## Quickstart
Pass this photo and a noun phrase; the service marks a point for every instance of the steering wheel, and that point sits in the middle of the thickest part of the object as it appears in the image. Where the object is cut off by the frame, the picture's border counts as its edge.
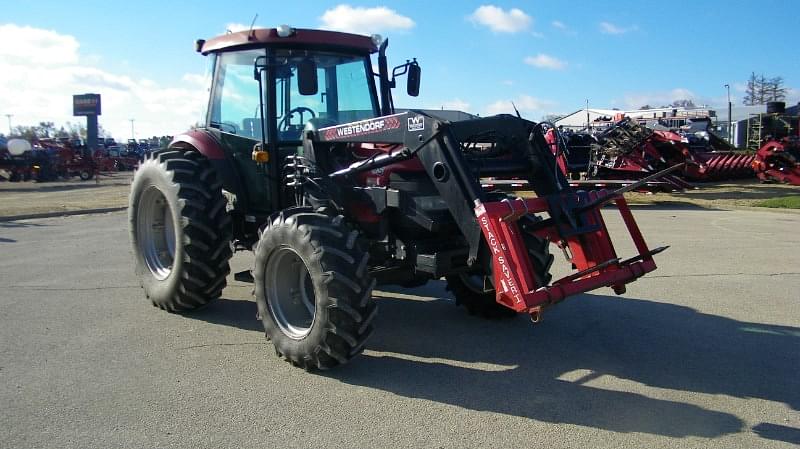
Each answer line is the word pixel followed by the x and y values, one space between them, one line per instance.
pixel 284 124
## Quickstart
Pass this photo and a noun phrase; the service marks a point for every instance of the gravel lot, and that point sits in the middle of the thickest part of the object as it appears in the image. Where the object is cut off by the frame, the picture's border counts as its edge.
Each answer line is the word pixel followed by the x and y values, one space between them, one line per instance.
pixel 704 352
pixel 22 198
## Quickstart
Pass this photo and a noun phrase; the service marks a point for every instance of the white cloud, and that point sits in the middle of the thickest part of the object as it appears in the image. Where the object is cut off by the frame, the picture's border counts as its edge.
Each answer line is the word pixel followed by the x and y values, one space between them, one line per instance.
pixel 364 20
pixel 661 98
pixel 34 94
pixel 559 24
pixel 36 46
pixel 456 104
pixel 544 61
pixel 234 27
pixel 500 21
pixel 610 28
pixel 526 104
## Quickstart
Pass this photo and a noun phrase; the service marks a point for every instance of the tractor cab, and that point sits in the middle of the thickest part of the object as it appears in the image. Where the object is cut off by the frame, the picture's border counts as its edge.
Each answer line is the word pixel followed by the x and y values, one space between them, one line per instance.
pixel 269 84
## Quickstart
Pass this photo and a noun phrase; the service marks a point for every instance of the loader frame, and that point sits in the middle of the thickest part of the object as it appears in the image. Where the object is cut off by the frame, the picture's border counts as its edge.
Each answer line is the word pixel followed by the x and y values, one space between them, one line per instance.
pixel 574 222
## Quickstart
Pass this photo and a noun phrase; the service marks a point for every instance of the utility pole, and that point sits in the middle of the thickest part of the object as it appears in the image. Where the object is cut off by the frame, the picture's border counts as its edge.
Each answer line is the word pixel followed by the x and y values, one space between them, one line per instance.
pixel 730 109
pixel 588 129
pixel 9 123
pixel 133 135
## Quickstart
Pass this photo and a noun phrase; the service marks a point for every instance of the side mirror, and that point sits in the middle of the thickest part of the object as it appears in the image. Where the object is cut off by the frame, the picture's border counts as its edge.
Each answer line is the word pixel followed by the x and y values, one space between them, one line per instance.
pixel 412 84
pixel 258 66
pixel 307 77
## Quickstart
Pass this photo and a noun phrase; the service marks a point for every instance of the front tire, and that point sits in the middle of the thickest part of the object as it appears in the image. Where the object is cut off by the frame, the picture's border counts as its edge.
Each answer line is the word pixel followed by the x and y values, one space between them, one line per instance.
pixel 313 288
pixel 180 231
pixel 477 294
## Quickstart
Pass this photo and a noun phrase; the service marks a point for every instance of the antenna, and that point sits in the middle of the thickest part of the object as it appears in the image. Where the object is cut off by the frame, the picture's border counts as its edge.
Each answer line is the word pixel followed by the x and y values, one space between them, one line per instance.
pixel 252 24
pixel 515 109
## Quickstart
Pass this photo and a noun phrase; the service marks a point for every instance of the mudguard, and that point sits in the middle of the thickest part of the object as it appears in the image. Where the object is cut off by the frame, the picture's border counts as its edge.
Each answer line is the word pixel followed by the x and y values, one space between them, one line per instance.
pixel 208 146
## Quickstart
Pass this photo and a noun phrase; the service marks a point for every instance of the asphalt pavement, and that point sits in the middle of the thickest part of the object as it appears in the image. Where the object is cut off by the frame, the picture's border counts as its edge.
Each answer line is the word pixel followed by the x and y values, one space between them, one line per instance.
pixel 703 352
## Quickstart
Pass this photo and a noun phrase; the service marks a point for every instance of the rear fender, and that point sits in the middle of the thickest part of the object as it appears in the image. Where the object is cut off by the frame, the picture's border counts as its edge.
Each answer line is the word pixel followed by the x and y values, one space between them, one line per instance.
pixel 208 146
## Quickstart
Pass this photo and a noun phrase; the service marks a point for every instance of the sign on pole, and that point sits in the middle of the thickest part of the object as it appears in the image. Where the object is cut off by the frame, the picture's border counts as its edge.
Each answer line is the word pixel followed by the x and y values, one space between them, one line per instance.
pixel 86 104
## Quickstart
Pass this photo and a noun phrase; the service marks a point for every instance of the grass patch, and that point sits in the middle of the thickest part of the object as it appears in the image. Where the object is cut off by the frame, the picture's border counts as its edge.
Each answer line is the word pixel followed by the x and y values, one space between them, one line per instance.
pixel 784 202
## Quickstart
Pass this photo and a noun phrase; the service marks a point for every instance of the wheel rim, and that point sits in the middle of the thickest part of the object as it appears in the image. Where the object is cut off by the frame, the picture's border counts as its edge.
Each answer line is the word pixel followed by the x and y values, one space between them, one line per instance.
pixel 290 293
pixel 156 233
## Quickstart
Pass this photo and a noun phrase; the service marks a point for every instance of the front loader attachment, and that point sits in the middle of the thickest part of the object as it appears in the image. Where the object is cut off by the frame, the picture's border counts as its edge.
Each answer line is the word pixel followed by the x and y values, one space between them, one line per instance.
pixel 576 225
pixel 455 157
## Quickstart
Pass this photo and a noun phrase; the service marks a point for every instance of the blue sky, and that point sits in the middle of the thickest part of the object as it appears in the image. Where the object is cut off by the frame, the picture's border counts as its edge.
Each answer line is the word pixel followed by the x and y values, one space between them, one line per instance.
pixel 547 57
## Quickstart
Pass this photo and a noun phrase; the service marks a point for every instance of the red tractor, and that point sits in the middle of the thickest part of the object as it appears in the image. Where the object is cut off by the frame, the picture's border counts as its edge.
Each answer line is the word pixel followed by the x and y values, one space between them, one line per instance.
pixel 302 160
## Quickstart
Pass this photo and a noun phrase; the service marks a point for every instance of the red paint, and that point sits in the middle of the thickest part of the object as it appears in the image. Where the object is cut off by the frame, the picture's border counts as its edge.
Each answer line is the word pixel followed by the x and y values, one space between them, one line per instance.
pixel 202 141
pixel 513 272
pixel 302 38
pixel 778 161
pixel 380 177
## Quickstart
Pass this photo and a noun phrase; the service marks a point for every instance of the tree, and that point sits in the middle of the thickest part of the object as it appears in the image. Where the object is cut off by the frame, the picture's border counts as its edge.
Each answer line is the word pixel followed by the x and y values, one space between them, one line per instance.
pixel 47 129
pixel 76 130
pixel 645 107
pixel 750 92
pixel 775 91
pixel 685 103
pixel 761 90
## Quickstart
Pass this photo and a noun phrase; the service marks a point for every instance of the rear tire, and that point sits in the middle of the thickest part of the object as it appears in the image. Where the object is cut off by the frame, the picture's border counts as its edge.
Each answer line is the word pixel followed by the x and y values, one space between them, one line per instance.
pixel 469 290
pixel 86 175
pixel 313 288
pixel 180 231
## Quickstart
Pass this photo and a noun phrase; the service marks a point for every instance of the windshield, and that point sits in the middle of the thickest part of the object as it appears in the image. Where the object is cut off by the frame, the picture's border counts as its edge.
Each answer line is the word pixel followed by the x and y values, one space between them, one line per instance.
pixel 345 92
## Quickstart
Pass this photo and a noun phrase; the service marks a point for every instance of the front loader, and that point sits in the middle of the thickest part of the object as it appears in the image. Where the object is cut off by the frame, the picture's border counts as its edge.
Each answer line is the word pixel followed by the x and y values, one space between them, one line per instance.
pixel 335 193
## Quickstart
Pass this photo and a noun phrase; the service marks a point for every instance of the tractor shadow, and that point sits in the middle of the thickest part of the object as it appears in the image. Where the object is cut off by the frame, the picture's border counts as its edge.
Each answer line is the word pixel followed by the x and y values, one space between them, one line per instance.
pixel 568 369
pixel 236 313
pixel 665 205
pixel 740 190
pixel 20 224
pixel 778 432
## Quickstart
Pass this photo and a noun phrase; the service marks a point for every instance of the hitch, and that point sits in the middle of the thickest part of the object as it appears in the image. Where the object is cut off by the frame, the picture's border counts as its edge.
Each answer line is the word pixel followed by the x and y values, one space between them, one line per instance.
pixel 575 224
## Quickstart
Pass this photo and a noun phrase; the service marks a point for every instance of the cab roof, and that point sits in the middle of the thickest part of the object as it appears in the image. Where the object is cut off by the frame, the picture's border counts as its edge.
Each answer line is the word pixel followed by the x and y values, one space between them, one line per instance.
pixel 299 38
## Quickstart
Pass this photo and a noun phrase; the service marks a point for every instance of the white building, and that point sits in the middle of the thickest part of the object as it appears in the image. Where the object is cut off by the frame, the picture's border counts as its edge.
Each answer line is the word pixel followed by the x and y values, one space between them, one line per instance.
pixel 598 119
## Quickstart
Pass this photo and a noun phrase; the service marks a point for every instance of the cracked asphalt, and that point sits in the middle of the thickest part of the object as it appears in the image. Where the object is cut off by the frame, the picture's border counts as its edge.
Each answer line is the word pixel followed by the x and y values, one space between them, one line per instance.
pixel 704 352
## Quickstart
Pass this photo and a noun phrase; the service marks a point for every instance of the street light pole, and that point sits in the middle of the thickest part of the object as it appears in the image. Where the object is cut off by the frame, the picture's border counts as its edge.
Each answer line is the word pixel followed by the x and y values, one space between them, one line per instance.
pixel 133 135
pixel 730 109
pixel 588 123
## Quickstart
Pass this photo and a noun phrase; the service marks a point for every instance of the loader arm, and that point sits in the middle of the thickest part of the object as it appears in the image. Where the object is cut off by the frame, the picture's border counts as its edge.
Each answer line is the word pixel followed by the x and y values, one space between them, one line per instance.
pixel 573 222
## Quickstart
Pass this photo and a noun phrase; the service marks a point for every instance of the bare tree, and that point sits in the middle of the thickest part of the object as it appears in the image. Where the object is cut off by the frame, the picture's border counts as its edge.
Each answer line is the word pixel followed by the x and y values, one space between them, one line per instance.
pixel 685 103
pixel 750 95
pixel 775 90
pixel 761 90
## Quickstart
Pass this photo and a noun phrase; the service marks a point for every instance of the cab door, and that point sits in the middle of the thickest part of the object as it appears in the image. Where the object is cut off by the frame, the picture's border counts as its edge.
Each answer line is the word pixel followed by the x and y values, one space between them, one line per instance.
pixel 233 119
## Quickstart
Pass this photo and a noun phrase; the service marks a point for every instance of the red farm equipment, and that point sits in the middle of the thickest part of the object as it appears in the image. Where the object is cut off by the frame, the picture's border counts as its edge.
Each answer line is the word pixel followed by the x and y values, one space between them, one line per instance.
pixel 630 151
pixel 335 193
pixel 778 156
pixel 779 161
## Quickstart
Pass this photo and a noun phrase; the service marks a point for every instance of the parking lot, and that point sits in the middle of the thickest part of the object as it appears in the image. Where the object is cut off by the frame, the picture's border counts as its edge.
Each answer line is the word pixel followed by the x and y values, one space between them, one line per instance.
pixel 705 352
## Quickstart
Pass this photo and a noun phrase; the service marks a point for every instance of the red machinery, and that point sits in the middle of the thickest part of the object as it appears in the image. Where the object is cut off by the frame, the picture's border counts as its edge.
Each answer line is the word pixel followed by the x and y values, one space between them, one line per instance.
pixel 64 161
pixel 779 160
pixel 575 225
pixel 628 150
